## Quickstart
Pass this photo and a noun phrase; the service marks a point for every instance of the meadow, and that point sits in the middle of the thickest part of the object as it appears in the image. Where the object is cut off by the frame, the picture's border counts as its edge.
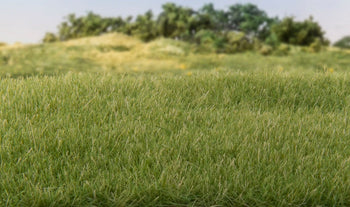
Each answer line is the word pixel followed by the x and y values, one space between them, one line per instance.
pixel 111 121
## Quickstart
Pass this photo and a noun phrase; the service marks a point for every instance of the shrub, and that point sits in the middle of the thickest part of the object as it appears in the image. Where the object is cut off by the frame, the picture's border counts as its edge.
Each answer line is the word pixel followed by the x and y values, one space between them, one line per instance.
pixel 144 27
pixel 204 37
pixel 238 42
pixel 299 33
pixel 4 58
pixel 50 37
pixel 272 40
pixel 257 44
pixel 316 46
pixel 266 50
pixel 210 41
pixel 282 50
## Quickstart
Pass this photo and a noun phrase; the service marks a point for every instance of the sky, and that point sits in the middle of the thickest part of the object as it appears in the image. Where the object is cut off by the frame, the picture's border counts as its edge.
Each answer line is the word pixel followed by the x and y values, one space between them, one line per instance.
pixel 27 21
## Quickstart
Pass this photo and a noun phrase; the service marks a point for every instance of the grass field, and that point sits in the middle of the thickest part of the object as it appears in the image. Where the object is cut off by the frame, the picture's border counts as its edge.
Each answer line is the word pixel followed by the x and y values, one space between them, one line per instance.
pixel 208 130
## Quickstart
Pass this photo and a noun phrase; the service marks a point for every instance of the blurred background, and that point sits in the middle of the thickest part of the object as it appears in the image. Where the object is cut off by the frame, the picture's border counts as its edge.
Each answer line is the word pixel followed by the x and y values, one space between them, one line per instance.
pixel 27 21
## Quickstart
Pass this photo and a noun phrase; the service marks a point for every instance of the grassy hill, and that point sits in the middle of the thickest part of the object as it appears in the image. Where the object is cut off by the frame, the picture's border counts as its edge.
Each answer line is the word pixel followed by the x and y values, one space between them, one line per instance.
pixel 111 121
pixel 114 53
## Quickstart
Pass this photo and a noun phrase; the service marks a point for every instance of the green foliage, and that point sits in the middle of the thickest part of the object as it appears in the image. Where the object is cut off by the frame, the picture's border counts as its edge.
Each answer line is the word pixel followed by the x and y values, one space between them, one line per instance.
pixel 210 41
pixel 238 42
pixel 266 50
pixel 343 43
pixel 213 19
pixel 50 37
pixel 211 28
pixel 173 22
pixel 176 22
pixel 230 42
pixel 205 37
pixel 89 25
pixel 279 49
pixel 272 40
pixel 282 50
pixel 316 46
pixel 145 27
pixel 248 18
pixel 4 59
pixel 299 33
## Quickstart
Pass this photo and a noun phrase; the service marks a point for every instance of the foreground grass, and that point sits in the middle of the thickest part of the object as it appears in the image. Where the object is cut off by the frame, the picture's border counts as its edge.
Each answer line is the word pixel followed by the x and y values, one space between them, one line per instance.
pixel 213 138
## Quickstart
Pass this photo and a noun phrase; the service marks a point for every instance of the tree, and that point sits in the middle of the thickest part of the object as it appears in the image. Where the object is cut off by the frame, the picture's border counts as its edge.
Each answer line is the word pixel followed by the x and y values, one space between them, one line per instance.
pixel 89 25
pixel 215 19
pixel 50 37
pixel 118 24
pixel 176 22
pixel 247 18
pixel 238 28
pixel 145 27
pixel 299 33
pixel 343 43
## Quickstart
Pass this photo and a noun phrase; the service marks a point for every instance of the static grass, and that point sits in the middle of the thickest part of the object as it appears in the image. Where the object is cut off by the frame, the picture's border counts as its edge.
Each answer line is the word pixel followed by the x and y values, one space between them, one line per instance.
pixel 212 138
pixel 116 53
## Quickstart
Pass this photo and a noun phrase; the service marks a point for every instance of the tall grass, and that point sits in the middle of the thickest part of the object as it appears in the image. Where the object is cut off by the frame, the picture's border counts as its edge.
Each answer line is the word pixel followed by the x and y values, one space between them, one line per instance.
pixel 212 138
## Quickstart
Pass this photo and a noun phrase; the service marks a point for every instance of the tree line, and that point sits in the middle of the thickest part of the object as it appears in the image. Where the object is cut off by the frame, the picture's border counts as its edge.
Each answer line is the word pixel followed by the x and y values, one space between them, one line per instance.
pixel 238 28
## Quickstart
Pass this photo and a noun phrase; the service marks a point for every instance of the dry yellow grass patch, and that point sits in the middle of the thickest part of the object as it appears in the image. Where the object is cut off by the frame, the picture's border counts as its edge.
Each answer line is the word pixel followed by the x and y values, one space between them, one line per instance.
pixel 16 45
pixel 139 56
pixel 112 39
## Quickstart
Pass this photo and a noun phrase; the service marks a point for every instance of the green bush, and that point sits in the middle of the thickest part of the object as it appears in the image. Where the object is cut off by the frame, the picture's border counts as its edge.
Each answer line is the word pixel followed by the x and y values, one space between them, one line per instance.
pixel 299 33
pixel 4 58
pixel 272 40
pixel 144 27
pixel 50 37
pixel 282 50
pixel 266 50
pixel 257 44
pixel 210 41
pixel 204 37
pixel 234 30
pixel 238 42
pixel 316 46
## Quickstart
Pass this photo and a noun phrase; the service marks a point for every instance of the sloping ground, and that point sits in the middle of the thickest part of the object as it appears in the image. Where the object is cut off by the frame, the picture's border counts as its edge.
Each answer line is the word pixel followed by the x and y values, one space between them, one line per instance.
pixel 124 53
pixel 106 53
pixel 115 53
pixel 203 130
pixel 113 39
